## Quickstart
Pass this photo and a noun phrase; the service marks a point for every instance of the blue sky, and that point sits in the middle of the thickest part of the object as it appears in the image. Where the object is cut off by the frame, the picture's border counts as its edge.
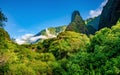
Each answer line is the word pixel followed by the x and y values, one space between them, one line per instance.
pixel 31 16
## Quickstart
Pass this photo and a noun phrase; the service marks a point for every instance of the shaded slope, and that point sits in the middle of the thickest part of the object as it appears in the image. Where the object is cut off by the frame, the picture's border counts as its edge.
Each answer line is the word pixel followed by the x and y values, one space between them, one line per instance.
pixel 110 14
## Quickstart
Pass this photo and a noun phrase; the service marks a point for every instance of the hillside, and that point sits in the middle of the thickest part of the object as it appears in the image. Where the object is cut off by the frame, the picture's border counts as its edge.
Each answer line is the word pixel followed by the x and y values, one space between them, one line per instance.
pixel 65 50
pixel 70 53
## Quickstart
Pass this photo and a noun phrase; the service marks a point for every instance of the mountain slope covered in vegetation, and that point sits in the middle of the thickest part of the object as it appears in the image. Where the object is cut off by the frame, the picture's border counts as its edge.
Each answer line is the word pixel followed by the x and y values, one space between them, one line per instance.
pixel 69 53
pixel 77 23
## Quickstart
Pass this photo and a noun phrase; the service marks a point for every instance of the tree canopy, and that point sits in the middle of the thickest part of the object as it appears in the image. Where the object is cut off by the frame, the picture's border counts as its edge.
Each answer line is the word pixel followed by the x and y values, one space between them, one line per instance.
pixel 2 19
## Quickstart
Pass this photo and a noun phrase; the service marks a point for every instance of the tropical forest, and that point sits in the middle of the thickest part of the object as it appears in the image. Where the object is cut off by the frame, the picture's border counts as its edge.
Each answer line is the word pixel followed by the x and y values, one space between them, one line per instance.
pixel 83 47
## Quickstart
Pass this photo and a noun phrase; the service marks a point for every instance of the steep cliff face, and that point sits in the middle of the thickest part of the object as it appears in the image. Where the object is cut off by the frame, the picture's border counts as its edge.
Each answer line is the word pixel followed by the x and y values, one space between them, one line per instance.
pixel 93 22
pixel 76 17
pixel 110 14
pixel 77 24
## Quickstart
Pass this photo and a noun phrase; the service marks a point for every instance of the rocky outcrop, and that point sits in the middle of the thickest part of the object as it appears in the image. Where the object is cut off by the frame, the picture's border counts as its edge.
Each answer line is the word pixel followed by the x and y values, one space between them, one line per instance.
pixel 110 14
pixel 77 24
pixel 76 16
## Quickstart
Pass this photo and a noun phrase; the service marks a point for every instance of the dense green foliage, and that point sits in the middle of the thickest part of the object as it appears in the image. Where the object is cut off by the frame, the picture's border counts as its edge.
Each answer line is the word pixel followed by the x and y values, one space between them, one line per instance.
pixel 68 43
pixel 70 53
pixel 18 60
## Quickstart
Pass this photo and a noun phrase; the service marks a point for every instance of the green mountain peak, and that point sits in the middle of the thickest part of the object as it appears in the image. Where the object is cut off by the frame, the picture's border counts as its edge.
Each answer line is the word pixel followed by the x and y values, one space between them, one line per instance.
pixel 77 23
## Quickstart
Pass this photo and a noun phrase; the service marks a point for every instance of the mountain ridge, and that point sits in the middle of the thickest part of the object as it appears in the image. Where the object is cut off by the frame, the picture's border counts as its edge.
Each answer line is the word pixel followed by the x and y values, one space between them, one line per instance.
pixel 110 14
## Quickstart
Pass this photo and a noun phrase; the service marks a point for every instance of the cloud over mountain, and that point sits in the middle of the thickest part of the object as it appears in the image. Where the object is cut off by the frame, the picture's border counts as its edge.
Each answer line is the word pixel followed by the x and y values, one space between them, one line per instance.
pixel 30 38
pixel 96 12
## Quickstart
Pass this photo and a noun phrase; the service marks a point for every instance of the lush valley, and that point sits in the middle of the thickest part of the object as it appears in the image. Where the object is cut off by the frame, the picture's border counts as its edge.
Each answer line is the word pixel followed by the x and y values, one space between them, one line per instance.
pixel 76 49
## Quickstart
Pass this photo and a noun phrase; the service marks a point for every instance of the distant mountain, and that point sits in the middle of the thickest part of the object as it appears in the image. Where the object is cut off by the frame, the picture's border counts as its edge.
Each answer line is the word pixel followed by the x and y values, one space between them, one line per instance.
pixel 52 30
pixel 93 22
pixel 47 33
pixel 108 18
pixel 110 14
pixel 77 23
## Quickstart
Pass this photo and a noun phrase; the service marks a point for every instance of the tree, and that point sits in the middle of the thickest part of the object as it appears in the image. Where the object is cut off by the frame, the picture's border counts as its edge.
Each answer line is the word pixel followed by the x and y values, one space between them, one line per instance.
pixel 68 43
pixel 2 19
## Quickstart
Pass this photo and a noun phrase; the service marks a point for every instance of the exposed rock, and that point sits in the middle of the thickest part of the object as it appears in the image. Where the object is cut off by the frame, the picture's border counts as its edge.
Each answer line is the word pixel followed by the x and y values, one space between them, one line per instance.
pixel 110 14
pixel 77 24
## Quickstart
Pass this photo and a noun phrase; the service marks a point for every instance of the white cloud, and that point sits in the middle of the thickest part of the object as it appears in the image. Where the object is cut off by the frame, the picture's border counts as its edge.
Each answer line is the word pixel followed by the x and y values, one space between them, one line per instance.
pixel 33 39
pixel 30 38
pixel 94 13
pixel 19 41
pixel 103 3
pixel 27 36
pixel 23 39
